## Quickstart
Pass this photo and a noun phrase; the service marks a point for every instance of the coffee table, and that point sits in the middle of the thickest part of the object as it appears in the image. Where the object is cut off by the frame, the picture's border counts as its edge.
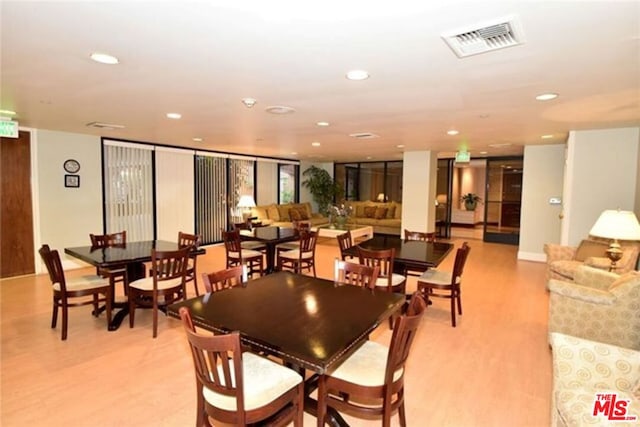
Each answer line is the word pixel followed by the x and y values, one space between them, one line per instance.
pixel 357 231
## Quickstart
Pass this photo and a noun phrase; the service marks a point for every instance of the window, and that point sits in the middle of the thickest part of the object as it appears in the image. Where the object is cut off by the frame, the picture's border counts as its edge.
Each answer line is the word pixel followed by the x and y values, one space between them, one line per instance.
pixel 287 183
pixel 375 181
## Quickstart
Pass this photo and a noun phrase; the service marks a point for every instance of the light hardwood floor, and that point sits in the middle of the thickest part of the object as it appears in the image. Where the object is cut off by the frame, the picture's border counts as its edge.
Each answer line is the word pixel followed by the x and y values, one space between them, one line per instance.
pixel 494 369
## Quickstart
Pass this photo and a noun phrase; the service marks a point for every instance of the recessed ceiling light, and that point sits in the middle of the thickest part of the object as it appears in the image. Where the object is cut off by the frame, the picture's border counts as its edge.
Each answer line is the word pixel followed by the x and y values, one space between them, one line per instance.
pixel 400 146
pixel 357 75
pixel 104 58
pixel 197 139
pixel 323 123
pixel 501 144
pixel 452 132
pixel 249 102
pixel 483 152
pixel 546 136
pixel 279 109
pixel 8 112
pixel 546 96
pixel 315 144
pixel 174 116
pixel 294 153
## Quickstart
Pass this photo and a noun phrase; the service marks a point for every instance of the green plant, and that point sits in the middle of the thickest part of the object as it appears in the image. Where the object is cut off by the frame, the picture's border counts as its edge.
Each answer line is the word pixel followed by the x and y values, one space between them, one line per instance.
pixel 322 187
pixel 471 197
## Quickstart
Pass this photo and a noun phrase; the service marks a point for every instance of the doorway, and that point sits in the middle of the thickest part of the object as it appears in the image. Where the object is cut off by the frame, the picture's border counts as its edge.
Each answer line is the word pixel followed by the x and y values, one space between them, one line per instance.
pixel 16 248
pixel 503 200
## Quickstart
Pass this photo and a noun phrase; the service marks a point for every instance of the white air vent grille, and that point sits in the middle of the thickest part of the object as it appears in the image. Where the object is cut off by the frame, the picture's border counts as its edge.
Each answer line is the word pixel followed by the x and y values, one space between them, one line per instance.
pixel 100 125
pixel 493 35
pixel 363 135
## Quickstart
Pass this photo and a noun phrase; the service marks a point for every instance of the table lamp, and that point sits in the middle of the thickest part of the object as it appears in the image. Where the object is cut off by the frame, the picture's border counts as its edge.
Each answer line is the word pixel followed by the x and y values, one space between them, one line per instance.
pixel 616 225
pixel 245 204
pixel 381 197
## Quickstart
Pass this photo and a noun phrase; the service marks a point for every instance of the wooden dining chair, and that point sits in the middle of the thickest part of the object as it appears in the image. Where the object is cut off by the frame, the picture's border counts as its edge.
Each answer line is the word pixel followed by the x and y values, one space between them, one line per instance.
pixel 384 260
pixel 240 388
pixel 350 273
pixel 249 244
pixel 370 382
pixel 302 258
pixel 167 281
pixel 191 241
pixel 225 279
pixel 236 255
pixel 70 293
pixel 299 226
pixel 419 235
pixel 446 284
pixel 345 241
pixel 115 274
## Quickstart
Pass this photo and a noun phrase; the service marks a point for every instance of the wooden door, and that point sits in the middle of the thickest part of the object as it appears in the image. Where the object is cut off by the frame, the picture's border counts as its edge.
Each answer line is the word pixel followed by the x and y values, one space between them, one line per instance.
pixel 16 213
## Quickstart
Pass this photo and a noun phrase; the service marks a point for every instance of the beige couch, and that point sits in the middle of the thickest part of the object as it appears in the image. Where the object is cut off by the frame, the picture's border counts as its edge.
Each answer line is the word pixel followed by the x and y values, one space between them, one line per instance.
pixel 584 368
pixel 284 215
pixel 386 218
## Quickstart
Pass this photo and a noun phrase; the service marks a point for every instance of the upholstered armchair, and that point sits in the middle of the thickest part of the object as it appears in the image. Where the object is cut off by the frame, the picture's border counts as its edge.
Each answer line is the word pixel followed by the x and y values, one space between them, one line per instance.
pixel 582 369
pixel 562 261
pixel 599 306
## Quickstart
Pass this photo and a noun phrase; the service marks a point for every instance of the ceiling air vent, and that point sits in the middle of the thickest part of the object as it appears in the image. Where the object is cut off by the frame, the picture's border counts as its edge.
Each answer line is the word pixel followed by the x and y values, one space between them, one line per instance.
pixel 108 126
pixel 363 135
pixel 491 35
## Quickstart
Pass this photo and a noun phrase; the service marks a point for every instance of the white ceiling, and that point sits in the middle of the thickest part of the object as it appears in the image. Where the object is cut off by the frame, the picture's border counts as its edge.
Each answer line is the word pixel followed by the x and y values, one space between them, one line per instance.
pixel 201 58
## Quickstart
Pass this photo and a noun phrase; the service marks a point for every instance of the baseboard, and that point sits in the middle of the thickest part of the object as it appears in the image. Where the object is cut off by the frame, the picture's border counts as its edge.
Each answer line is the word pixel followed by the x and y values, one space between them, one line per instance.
pixel 532 256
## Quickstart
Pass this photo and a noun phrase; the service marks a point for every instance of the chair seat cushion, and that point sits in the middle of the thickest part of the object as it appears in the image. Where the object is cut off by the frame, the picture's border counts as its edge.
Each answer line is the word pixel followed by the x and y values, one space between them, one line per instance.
pixel 264 381
pixel 437 277
pixel 396 279
pixel 83 283
pixel 249 253
pixel 295 254
pixel 366 366
pixel 146 284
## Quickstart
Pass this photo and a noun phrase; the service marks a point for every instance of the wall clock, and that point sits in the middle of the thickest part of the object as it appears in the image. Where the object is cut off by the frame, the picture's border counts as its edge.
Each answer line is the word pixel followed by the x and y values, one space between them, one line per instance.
pixel 71 166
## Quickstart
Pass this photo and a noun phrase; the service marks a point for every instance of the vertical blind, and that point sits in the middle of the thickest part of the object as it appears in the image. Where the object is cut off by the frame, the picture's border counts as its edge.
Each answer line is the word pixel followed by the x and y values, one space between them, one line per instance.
pixel 240 183
pixel 128 180
pixel 210 195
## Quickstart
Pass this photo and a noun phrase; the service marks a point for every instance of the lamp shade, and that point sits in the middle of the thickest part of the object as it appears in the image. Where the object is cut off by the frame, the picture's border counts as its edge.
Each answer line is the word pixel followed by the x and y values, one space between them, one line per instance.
pixel 381 197
pixel 617 224
pixel 246 201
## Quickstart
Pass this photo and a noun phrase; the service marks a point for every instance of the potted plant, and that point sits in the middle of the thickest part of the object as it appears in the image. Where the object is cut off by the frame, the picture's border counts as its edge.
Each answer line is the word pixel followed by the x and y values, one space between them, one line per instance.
pixel 471 201
pixel 322 187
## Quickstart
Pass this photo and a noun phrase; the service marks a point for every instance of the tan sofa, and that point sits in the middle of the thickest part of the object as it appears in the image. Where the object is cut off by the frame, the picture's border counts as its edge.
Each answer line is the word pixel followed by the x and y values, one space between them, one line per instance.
pixel 598 306
pixel 563 261
pixel 582 369
pixel 284 215
pixel 385 218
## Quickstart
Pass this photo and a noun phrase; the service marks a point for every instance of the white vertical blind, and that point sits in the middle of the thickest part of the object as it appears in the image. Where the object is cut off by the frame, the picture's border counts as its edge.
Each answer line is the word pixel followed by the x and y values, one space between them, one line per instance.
pixel 128 182
pixel 174 193
pixel 266 182
pixel 211 197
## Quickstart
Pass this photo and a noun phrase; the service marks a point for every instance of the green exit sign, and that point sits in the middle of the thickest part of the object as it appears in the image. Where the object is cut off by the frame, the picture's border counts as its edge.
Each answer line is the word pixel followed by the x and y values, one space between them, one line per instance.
pixel 8 129
pixel 463 157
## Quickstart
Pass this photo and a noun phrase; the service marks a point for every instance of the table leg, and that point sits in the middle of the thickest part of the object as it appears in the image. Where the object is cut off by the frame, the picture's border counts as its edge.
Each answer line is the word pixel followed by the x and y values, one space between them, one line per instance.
pixel 271 251
pixel 135 271
pixel 333 418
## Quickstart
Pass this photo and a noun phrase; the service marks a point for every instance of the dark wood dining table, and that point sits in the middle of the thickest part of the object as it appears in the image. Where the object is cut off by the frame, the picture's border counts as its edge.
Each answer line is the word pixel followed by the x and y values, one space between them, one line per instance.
pixel 131 256
pixel 411 255
pixel 309 323
pixel 271 237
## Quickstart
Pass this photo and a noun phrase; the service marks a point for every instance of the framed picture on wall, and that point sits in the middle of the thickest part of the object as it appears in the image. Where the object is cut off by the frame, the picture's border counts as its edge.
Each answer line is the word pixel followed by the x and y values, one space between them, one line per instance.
pixel 72 181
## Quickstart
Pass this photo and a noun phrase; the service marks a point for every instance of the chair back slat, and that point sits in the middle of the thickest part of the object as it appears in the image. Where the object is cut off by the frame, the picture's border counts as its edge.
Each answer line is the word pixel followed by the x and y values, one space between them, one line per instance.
pixel 232 241
pixel 168 265
pixel 108 240
pixel 345 242
pixel 308 241
pixel 460 261
pixel 419 235
pixel 51 259
pixel 383 259
pixel 225 279
pixel 188 240
pixel 350 273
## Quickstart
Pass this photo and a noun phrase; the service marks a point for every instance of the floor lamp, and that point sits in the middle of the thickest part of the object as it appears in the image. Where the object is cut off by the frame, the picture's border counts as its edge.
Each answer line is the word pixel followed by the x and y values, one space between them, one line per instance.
pixel 616 225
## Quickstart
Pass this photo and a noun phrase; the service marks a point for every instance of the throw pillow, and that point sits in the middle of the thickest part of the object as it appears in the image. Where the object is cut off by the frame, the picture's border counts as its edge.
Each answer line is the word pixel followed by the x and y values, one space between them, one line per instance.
pixel 391 210
pixel 381 213
pixel 303 214
pixel 369 211
pixel 590 248
pixel 294 214
pixel 273 213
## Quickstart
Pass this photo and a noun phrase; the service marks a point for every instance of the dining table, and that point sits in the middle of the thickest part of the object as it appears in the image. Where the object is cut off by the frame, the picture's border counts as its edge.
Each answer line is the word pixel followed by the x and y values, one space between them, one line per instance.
pixel 414 255
pixel 132 256
pixel 310 323
pixel 271 236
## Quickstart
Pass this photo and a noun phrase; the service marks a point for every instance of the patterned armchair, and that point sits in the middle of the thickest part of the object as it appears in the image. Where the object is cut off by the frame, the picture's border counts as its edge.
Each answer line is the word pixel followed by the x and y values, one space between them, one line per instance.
pixel 581 370
pixel 599 306
pixel 563 261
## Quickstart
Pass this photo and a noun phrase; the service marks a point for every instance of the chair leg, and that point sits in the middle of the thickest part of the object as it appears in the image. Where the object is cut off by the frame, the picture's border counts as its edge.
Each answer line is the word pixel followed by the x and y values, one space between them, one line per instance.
pixel 299 414
pixel 459 298
pixel 401 414
pixel 453 311
pixel 65 319
pixel 322 400
pixel 132 307
pixel 54 314
pixel 109 299
pixel 155 314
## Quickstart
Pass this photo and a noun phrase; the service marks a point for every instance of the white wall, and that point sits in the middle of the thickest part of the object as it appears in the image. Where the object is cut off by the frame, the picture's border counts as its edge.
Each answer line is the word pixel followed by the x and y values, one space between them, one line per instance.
pixel 266 183
pixel 602 173
pixel 541 179
pixel 419 175
pixel 67 215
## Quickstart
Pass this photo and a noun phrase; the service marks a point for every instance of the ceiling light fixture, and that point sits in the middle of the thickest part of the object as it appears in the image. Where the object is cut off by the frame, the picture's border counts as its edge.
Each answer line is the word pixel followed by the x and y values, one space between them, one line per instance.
pixel 104 58
pixel 546 136
pixel 315 144
pixel 322 123
pixel 197 139
pixel 279 109
pixel 174 116
pixel 8 112
pixel 294 153
pixel 357 75
pixel 501 144
pixel 452 132
pixel 249 102
pixel 546 96
pixel 400 146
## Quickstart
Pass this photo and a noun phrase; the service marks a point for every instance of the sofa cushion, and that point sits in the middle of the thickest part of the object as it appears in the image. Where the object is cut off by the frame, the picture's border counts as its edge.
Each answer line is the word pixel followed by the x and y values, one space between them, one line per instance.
pixel 381 213
pixel 590 248
pixel 370 211
pixel 294 214
pixel 304 215
pixel 274 213
pixel 565 268
pixel 398 214
pixel 391 210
